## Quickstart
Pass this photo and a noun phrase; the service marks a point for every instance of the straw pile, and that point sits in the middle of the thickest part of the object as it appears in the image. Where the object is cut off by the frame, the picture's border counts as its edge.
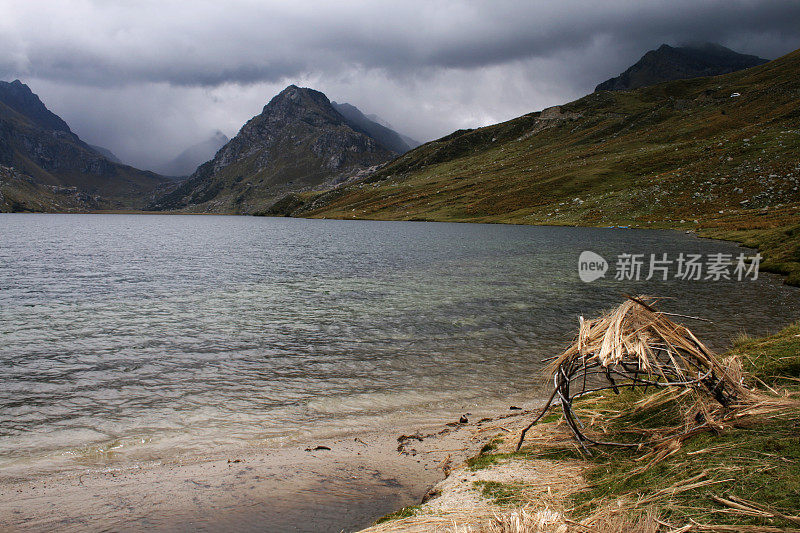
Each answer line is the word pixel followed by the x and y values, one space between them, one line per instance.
pixel 636 345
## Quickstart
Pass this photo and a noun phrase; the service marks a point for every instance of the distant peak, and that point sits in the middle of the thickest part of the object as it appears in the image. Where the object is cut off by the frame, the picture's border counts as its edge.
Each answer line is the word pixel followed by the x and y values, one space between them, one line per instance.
pixel 20 98
pixel 687 61
pixel 293 99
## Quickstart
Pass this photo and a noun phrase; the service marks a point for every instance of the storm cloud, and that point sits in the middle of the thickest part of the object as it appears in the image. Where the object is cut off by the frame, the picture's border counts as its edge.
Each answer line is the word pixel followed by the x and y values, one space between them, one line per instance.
pixel 146 79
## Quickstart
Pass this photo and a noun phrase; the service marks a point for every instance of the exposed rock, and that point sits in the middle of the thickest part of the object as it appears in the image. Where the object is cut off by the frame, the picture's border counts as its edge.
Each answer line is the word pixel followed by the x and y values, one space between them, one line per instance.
pixel 20 193
pixel 555 113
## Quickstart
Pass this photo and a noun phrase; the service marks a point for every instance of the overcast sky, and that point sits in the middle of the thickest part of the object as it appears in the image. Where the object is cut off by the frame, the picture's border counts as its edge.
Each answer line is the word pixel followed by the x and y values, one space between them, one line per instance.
pixel 146 79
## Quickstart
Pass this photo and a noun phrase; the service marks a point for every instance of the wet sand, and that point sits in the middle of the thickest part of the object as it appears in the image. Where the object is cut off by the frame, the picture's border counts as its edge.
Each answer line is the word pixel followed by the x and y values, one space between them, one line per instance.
pixel 251 488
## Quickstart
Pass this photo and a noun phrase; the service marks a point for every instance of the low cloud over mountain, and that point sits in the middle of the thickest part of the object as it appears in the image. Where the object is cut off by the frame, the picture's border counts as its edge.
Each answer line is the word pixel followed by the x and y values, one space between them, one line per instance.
pixel 146 79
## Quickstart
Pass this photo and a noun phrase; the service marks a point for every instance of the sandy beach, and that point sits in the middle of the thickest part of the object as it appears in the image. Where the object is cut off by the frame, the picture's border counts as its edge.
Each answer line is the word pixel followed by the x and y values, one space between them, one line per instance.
pixel 293 488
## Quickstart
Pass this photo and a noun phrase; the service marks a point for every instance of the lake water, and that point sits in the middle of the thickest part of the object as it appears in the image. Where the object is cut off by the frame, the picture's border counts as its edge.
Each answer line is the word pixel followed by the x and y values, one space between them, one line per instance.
pixel 140 334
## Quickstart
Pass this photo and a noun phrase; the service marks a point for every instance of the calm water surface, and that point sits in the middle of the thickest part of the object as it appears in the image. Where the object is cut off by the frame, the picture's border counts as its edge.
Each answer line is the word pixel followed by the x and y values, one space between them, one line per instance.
pixel 137 334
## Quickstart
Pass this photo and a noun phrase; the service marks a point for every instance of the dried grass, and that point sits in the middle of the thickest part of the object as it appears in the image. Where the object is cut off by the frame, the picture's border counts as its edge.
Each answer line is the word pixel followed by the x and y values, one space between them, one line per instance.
pixel 528 520
pixel 637 346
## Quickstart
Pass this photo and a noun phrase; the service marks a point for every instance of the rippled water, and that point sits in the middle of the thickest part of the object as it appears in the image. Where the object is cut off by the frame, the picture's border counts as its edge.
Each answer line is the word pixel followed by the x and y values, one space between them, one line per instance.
pixel 134 333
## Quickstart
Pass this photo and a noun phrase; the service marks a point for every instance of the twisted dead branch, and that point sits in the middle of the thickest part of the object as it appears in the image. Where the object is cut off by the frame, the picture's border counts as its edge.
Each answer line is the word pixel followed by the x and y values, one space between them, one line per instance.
pixel 636 346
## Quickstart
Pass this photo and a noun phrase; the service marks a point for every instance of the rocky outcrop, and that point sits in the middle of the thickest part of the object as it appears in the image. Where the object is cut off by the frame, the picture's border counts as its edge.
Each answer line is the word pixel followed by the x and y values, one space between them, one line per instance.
pixel 20 193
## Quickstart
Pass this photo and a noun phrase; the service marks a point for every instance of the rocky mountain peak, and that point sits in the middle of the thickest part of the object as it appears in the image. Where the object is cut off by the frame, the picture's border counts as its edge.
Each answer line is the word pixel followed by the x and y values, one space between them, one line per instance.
pixel 297 142
pixel 301 103
pixel 21 99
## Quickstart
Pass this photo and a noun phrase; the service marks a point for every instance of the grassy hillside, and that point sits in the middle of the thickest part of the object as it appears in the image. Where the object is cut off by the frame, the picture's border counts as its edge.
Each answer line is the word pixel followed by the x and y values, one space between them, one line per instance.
pixel 684 154
pixel 20 193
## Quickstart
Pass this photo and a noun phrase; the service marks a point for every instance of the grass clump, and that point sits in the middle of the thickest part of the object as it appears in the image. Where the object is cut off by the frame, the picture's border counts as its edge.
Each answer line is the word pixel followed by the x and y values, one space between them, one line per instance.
pixel 491 446
pixel 405 512
pixel 774 359
pixel 501 493
pixel 485 460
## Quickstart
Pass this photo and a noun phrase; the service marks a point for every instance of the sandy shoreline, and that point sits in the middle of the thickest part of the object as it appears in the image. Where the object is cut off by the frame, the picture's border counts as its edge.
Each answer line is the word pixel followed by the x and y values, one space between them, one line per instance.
pixel 360 478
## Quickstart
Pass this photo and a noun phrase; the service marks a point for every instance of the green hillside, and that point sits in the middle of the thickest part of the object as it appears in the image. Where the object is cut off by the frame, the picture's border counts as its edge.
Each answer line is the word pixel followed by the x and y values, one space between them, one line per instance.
pixel 20 193
pixel 685 154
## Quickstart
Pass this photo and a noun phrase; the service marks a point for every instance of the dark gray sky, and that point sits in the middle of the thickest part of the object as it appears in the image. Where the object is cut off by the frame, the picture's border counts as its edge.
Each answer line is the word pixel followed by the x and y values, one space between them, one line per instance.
pixel 148 78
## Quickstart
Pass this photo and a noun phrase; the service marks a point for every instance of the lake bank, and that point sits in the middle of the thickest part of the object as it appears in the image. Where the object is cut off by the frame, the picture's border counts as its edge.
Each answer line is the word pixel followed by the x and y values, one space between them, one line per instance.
pixel 743 476
pixel 304 487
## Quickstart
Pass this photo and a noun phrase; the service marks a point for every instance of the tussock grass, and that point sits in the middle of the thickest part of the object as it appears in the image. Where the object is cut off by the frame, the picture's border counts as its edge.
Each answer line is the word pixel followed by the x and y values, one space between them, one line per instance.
pixel 502 493
pixel 405 512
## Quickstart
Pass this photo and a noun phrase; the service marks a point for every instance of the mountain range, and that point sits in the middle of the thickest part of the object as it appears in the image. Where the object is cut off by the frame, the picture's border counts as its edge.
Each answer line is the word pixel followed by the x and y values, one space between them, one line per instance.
pixel 300 142
pixel 302 145
pixel 300 139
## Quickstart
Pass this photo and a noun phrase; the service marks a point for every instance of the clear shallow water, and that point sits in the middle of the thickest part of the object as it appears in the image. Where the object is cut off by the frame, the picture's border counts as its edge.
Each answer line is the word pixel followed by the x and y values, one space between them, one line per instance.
pixel 138 334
